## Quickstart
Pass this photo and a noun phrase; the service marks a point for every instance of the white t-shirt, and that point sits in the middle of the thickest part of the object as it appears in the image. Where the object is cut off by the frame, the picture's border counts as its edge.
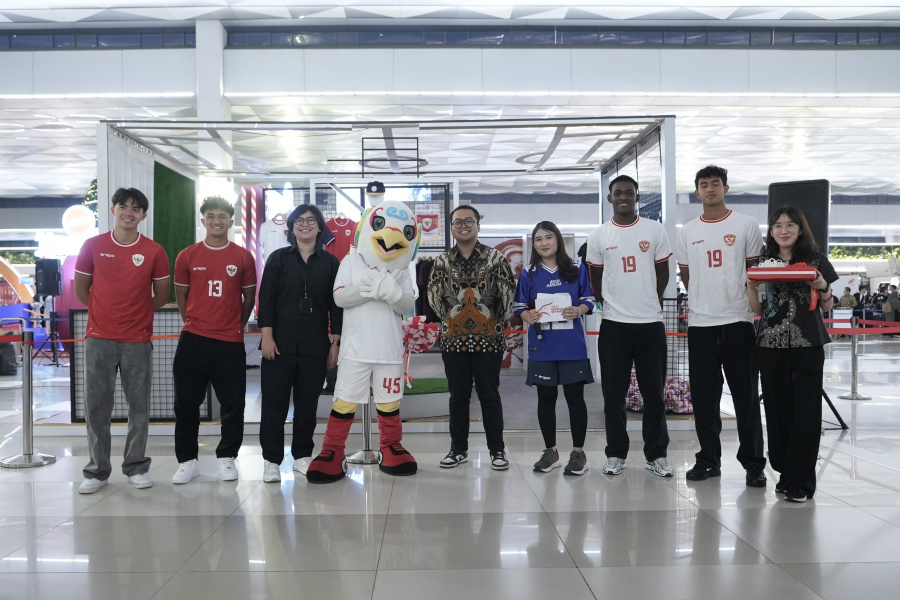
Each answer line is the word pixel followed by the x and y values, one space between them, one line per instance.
pixel 716 252
pixel 628 255
pixel 372 332
pixel 272 236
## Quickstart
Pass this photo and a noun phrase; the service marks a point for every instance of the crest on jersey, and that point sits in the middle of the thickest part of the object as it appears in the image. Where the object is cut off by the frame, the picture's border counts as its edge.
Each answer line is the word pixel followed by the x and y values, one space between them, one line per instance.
pixel 137 259
pixel 231 270
pixel 644 245
pixel 729 239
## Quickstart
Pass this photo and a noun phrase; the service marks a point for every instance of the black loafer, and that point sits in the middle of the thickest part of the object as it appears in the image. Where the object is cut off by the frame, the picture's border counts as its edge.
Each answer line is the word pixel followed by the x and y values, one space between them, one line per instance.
pixel 700 472
pixel 756 478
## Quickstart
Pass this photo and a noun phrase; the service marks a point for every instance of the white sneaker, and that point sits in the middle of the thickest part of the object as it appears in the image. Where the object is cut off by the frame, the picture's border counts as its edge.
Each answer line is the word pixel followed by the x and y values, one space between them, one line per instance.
pixel 271 472
pixel 660 467
pixel 227 470
pixel 301 465
pixel 89 486
pixel 186 471
pixel 614 465
pixel 141 481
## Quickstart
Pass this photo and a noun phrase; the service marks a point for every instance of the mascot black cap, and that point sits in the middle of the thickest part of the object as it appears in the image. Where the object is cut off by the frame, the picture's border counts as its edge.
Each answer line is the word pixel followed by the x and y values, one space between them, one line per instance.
pixel 375 188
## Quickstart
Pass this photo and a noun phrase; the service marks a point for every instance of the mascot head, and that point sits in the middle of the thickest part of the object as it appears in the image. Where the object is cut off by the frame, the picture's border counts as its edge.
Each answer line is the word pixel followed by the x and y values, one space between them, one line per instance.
pixel 388 236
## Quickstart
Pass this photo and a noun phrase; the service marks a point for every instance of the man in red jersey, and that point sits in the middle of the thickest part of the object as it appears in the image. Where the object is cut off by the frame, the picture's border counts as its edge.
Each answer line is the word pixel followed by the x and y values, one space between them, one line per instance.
pixel 215 285
pixel 122 277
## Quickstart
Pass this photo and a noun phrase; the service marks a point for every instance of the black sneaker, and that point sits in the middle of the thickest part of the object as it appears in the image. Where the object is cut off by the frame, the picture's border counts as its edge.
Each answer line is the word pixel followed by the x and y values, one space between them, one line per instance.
pixel 795 494
pixel 700 472
pixel 498 460
pixel 578 464
pixel 756 478
pixel 780 488
pixel 454 458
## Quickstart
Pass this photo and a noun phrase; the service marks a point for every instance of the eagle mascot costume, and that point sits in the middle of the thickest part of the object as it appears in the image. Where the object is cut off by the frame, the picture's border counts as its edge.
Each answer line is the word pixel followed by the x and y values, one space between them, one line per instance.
pixel 373 287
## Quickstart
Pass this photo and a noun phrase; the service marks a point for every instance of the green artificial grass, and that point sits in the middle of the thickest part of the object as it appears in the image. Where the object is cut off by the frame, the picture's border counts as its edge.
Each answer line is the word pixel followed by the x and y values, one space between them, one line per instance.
pixel 422 385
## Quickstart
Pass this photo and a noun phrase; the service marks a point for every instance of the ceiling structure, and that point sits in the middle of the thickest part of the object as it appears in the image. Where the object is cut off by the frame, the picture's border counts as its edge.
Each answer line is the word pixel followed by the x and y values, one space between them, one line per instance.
pixel 48 145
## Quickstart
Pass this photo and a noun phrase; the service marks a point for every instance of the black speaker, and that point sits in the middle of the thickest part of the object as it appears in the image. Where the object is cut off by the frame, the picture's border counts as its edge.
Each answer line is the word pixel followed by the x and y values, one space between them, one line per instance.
pixel 47 279
pixel 812 197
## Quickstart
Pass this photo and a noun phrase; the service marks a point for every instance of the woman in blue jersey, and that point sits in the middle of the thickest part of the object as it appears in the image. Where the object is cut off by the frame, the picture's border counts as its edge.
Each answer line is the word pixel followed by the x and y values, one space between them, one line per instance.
pixel 557 352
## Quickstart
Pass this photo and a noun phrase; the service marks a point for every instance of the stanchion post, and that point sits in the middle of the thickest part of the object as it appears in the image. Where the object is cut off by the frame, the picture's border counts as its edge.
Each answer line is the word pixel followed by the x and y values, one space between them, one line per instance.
pixel 854 366
pixel 366 456
pixel 28 458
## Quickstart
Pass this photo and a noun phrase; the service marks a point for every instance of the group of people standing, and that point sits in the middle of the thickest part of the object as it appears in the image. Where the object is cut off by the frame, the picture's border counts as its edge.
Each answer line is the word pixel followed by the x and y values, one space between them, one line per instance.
pixel 474 293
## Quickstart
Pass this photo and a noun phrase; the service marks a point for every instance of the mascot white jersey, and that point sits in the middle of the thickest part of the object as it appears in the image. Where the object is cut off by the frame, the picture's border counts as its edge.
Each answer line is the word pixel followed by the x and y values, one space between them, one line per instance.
pixel 373 287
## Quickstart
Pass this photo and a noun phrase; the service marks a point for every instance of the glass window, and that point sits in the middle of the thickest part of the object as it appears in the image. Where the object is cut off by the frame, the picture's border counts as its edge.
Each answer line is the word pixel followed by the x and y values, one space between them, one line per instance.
pixel 728 38
pixel 846 38
pixel 369 38
pixel 641 38
pixel 86 40
pixel 868 38
pixel 119 40
pixel 401 38
pixel 311 38
pixel 891 38
pixel 457 37
pixel 544 37
pixel 695 38
pixel 674 38
pixel 63 40
pixel 488 37
pixel 151 40
pixel 610 38
pixel 190 39
pixel 258 38
pixel 237 38
pixel 522 37
pixel 435 37
pixel 783 38
pixel 345 38
pixel 174 39
pixel 280 38
pixel 31 40
pixel 761 38
pixel 4 41
pixel 814 38
pixel 580 38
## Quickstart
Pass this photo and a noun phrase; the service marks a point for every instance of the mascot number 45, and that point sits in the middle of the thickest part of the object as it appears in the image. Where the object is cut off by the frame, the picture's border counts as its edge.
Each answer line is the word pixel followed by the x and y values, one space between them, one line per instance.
pixel 373 287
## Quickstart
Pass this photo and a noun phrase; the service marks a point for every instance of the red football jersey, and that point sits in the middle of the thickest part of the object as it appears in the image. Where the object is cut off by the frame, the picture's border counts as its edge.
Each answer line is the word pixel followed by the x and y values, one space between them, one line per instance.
pixel 343 230
pixel 121 303
pixel 217 278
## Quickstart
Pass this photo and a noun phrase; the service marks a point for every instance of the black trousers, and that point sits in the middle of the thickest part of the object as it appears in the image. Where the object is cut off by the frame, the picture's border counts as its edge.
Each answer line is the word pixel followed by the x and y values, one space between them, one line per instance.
pixel 578 416
pixel 200 361
pixel 644 345
pixel 712 350
pixel 484 367
pixel 286 373
pixel 792 394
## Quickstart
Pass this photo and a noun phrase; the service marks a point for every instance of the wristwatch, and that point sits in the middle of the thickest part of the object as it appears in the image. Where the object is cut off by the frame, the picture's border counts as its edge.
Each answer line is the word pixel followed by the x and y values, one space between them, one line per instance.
pixel 337 343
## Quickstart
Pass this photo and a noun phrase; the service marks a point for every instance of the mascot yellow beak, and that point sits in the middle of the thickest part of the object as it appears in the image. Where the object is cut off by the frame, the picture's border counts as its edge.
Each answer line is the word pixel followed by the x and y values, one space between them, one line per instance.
pixel 389 243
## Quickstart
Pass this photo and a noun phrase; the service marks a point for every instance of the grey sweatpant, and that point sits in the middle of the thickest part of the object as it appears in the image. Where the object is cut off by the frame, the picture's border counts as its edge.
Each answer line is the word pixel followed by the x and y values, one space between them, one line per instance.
pixel 134 362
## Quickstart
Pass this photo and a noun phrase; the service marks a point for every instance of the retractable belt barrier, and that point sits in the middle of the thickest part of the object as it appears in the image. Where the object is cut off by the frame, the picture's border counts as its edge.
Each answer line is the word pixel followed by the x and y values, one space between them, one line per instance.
pixel 876 328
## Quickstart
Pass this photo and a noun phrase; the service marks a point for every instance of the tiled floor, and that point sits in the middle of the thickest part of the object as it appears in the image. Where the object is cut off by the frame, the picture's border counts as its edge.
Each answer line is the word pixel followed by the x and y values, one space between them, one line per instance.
pixel 468 532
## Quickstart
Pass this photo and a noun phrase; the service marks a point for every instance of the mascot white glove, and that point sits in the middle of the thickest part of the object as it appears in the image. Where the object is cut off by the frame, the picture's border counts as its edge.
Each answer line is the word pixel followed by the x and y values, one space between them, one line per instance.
pixel 389 290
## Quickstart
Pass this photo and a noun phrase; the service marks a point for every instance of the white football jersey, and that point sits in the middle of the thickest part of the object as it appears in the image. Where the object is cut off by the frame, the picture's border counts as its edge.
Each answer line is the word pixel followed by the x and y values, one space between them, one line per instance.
pixel 628 255
pixel 272 236
pixel 716 252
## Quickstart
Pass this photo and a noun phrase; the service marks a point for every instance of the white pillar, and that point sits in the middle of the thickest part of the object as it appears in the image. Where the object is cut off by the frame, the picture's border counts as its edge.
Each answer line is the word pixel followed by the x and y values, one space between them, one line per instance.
pixel 669 216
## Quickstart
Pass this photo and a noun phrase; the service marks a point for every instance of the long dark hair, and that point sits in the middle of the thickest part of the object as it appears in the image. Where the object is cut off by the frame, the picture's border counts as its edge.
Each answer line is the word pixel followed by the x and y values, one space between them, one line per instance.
pixel 806 242
pixel 566 267
pixel 297 212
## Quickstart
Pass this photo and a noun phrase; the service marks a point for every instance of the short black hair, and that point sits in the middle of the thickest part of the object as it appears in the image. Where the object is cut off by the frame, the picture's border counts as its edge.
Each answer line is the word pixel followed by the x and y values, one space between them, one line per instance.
pixel 297 212
pixel 466 207
pixel 122 195
pixel 848 290
pixel 217 202
pixel 710 171
pixel 623 178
